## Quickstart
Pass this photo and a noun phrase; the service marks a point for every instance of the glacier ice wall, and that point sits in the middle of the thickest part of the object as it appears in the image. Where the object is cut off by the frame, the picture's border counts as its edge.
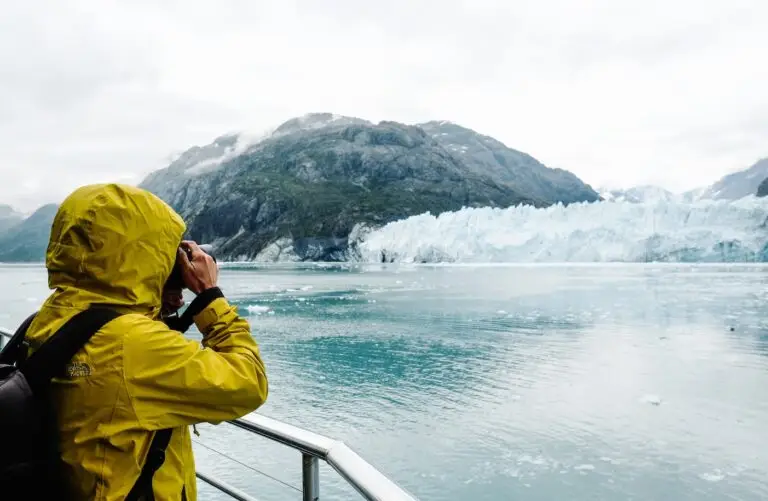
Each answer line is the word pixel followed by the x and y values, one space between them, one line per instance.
pixel 660 231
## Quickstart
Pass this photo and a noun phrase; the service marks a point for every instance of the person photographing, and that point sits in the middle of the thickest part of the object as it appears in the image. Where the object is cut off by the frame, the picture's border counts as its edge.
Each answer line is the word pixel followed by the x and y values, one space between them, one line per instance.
pixel 184 272
pixel 127 398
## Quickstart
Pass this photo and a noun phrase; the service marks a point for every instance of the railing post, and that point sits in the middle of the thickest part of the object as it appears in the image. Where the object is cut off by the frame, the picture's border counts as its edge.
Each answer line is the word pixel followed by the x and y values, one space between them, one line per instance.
pixel 310 468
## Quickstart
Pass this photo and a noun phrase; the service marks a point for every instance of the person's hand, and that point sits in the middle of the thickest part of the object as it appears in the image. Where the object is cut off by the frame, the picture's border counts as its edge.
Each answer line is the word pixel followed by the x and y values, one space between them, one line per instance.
pixel 198 269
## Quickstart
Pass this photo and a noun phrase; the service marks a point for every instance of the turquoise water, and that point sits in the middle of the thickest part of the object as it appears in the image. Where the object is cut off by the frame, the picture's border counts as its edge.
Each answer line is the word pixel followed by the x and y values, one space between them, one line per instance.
pixel 604 382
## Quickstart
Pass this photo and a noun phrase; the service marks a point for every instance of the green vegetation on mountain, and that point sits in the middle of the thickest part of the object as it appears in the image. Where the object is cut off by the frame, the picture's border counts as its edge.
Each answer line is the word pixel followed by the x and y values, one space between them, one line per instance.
pixel 315 178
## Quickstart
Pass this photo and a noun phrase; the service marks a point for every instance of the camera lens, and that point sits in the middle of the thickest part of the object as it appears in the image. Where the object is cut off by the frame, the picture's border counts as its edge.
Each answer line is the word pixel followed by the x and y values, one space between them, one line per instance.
pixel 208 249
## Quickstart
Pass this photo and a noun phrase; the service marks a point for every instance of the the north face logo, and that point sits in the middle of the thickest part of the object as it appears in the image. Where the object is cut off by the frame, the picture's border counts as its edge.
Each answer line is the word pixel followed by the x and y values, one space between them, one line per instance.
pixel 78 369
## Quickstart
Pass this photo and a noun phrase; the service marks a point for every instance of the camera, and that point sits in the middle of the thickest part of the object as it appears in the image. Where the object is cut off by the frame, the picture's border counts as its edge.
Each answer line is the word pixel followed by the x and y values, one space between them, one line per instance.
pixel 176 280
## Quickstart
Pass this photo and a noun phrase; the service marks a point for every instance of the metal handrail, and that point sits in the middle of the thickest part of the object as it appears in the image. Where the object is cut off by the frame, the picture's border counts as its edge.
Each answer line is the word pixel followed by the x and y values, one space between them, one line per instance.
pixel 223 487
pixel 364 477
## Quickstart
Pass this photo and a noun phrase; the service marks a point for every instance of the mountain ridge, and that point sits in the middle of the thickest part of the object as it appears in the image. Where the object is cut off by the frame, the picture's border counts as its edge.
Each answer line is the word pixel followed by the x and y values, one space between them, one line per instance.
pixel 27 241
pixel 306 186
pixel 9 217
pixel 738 184
pixel 312 187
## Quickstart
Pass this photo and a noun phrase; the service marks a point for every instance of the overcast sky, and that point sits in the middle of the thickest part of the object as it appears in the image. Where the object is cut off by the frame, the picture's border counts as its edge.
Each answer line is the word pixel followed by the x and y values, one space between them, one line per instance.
pixel 620 92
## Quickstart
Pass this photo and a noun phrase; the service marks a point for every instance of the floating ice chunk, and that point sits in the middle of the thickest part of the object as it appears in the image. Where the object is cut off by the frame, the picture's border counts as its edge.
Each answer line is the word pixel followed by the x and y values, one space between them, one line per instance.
pixel 714 476
pixel 651 399
pixel 538 460
pixel 256 309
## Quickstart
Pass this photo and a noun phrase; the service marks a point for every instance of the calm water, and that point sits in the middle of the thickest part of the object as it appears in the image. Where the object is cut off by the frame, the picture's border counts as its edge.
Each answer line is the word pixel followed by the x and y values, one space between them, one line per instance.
pixel 496 383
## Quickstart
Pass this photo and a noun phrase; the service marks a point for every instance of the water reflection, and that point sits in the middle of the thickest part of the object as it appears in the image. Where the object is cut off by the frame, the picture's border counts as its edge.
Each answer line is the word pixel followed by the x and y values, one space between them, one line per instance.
pixel 348 360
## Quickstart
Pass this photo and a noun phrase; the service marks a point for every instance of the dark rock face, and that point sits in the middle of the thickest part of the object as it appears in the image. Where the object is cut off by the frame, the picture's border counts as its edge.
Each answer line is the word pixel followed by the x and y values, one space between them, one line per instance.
pixel 298 193
pixel 762 189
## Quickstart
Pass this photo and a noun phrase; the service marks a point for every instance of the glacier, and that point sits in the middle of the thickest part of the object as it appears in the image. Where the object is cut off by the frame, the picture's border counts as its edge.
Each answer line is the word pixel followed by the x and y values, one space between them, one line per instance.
pixel 639 194
pixel 609 231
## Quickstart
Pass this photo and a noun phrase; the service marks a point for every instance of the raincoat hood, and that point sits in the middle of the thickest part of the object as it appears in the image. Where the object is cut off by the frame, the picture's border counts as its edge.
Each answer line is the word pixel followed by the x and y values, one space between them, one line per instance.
pixel 113 244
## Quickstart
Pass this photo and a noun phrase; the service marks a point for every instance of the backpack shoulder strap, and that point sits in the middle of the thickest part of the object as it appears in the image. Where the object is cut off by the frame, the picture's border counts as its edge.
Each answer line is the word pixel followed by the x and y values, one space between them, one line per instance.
pixel 142 489
pixel 49 360
pixel 13 353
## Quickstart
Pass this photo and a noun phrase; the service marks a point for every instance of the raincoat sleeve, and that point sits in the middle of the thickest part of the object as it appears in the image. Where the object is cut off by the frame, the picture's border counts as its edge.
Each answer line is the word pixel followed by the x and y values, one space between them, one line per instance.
pixel 173 381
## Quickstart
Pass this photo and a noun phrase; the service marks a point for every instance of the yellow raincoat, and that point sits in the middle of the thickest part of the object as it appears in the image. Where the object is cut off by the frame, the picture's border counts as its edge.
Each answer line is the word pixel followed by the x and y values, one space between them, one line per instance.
pixel 116 245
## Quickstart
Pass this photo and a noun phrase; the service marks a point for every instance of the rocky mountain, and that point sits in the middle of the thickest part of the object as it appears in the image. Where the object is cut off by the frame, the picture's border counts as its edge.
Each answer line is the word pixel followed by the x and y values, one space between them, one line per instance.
pixel 762 189
pixel 306 190
pixel 28 240
pixel 485 155
pixel 738 184
pixel 9 217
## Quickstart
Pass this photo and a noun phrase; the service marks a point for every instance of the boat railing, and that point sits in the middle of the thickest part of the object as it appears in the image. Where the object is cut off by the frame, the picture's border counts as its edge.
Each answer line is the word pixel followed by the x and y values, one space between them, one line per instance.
pixel 371 483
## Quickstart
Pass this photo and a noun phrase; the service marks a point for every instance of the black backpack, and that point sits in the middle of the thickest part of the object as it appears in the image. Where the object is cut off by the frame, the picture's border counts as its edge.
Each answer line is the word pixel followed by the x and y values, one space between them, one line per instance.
pixel 30 464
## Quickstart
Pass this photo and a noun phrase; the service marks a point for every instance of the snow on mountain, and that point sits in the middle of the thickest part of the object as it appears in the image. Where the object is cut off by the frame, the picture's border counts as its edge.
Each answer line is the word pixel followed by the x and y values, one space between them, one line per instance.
pixel 738 184
pixel 231 146
pixel 200 159
pixel 620 231
pixel 312 121
pixel 639 194
pixel 694 195
pixel 734 186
